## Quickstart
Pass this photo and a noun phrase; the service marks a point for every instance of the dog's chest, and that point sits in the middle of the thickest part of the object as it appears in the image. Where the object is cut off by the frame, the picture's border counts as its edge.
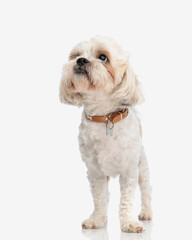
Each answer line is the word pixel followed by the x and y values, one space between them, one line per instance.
pixel 112 154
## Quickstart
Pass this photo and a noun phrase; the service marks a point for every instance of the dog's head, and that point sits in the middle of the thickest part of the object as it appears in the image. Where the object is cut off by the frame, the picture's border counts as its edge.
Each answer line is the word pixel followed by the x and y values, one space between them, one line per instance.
pixel 99 65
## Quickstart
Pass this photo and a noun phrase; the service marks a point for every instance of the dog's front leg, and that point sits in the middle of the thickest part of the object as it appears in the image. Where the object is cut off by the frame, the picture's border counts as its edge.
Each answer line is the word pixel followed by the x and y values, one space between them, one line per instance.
pixel 99 189
pixel 128 185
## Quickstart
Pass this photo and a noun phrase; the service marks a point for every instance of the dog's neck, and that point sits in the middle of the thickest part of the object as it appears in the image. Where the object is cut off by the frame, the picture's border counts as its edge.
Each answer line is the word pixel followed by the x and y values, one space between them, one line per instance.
pixel 99 103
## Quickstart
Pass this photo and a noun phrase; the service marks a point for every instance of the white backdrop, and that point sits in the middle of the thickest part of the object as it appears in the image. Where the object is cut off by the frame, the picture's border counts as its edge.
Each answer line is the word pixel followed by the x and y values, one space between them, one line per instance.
pixel 44 193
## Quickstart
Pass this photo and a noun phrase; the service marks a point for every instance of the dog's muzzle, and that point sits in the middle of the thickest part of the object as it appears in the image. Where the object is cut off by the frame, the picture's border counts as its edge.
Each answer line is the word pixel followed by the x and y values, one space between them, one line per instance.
pixel 80 68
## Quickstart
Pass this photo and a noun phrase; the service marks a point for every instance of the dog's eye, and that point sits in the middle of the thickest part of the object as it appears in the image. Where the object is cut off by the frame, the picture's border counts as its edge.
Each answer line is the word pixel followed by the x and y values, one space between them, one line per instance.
pixel 103 58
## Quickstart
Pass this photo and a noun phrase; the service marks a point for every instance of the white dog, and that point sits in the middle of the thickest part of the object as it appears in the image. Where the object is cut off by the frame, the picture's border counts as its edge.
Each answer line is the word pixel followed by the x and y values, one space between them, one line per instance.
pixel 99 77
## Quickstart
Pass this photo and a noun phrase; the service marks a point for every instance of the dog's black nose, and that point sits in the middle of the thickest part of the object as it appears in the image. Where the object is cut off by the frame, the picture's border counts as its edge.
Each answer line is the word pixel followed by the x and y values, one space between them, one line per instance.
pixel 82 61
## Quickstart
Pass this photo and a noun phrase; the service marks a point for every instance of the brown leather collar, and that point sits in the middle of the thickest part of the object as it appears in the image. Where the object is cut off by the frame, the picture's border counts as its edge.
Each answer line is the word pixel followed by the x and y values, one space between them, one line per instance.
pixel 112 117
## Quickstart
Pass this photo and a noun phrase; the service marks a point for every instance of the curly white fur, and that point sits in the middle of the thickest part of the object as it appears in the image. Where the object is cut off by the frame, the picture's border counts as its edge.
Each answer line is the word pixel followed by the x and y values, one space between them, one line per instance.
pixel 109 87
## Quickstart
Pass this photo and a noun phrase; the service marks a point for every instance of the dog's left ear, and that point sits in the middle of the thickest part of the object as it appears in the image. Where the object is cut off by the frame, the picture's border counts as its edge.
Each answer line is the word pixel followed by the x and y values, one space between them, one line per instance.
pixel 69 97
pixel 128 92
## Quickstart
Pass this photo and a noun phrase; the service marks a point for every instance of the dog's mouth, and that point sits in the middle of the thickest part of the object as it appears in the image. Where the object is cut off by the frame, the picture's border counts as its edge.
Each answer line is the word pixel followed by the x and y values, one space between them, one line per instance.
pixel 80 70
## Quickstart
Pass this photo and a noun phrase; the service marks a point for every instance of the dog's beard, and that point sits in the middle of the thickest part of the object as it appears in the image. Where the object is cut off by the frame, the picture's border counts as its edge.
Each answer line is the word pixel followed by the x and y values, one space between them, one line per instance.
pixel 80 79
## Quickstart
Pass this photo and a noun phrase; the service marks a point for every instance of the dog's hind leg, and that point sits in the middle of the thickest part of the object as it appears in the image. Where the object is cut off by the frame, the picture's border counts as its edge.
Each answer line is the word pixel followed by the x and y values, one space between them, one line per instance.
pixel 99 189
pixel 144 184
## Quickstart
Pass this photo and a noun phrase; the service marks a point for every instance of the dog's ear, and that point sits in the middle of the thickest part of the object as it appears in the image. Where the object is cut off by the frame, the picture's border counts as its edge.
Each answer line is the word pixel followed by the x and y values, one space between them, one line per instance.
pixel 69 97
pixel 128 92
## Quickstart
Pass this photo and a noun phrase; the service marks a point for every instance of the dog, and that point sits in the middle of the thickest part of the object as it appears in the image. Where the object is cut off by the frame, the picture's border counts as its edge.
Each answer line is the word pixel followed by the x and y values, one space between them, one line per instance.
pixel 99 77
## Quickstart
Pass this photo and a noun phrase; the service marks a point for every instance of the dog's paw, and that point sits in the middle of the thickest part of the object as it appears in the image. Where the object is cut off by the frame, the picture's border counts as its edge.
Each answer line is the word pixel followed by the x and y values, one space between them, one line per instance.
pixel 145 214
pixel 132 227
pixel 94 223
